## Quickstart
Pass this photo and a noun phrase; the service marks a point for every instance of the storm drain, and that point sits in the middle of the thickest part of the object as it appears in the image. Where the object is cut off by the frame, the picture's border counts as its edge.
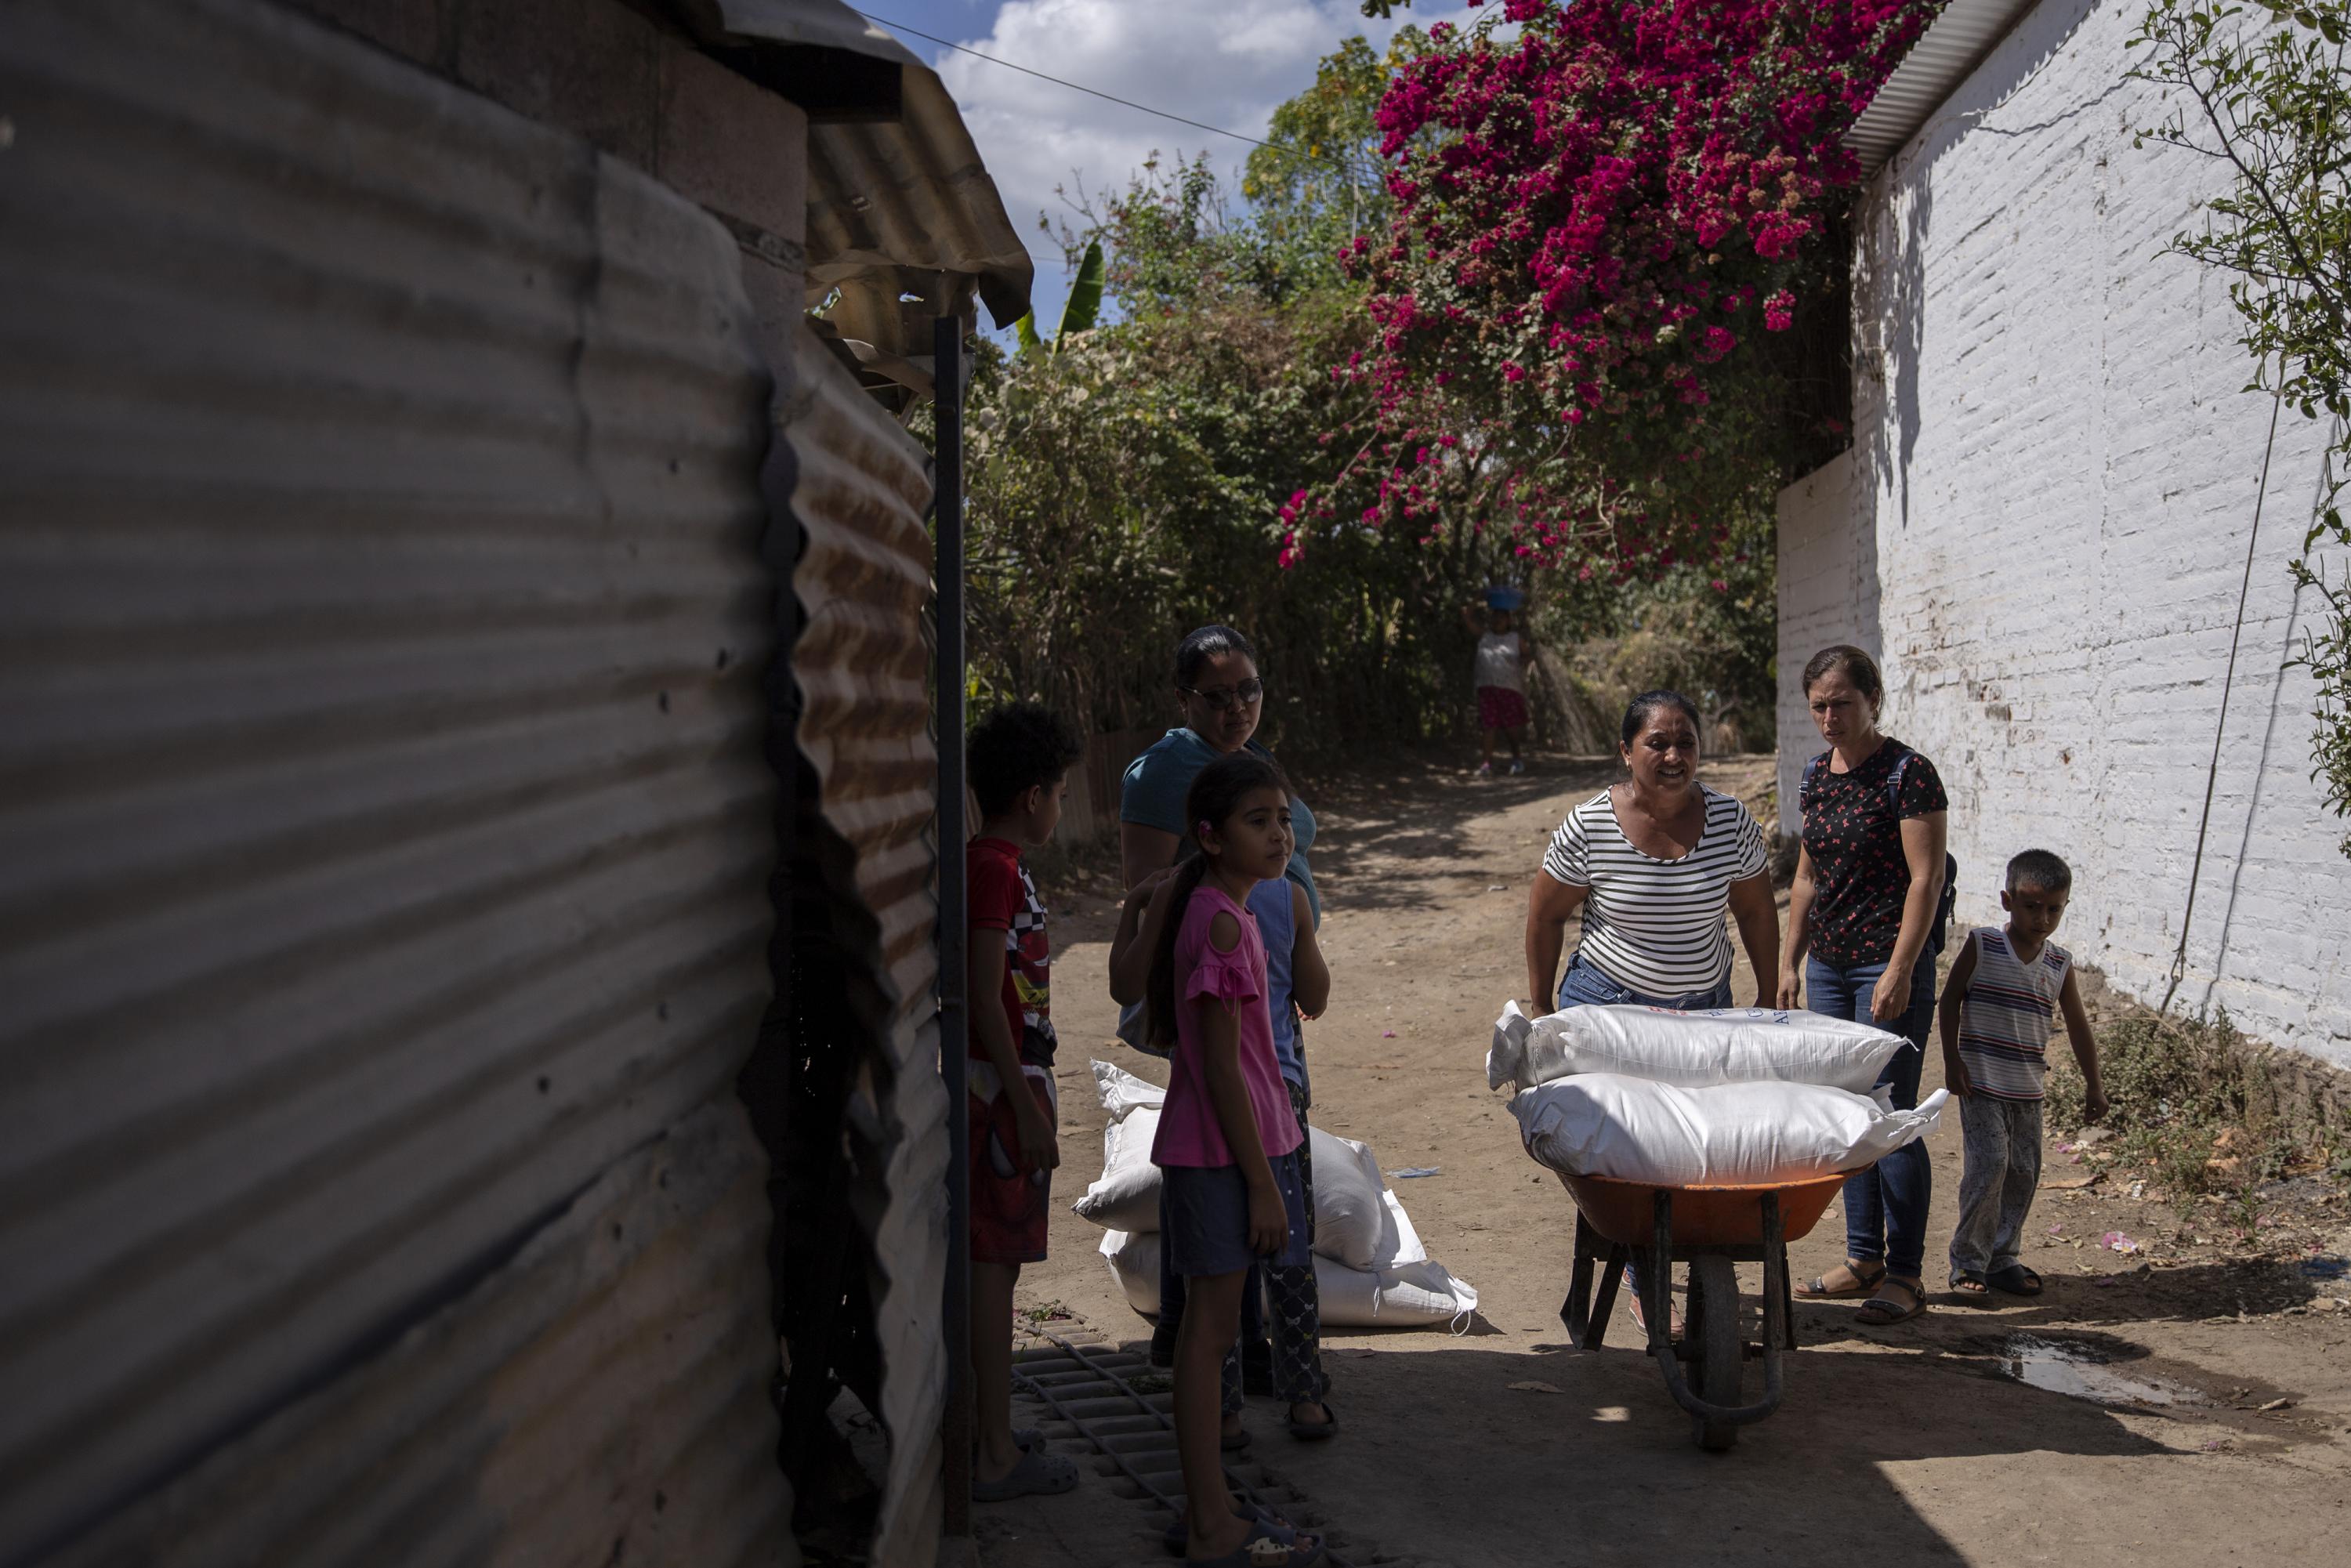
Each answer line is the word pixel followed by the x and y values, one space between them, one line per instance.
pixel 1086 1387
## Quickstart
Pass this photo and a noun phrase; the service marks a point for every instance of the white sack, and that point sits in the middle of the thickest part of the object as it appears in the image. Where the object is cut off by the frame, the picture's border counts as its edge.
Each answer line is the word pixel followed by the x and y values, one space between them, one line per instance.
pixel 1410 1296
pixel 1720 1045
pixel 1600 1123
pixel 1125 1196
pixel 1122 1091
pixel 1134 1260
pixel 1357 1219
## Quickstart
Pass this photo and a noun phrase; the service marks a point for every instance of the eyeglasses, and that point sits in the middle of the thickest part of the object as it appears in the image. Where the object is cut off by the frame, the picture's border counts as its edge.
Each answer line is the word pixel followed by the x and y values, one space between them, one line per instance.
pixel 1224 699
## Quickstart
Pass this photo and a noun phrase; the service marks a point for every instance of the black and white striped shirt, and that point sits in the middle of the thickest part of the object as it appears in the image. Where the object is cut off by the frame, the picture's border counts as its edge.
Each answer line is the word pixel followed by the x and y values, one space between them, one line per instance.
pixel 1656 927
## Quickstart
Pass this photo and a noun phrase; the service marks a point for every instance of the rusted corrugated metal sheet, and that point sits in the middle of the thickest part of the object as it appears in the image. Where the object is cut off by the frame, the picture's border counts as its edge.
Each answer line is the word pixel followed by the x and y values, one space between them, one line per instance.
pixel 891 204
pixel 862 582
pixel 382 820
pixel 1953 44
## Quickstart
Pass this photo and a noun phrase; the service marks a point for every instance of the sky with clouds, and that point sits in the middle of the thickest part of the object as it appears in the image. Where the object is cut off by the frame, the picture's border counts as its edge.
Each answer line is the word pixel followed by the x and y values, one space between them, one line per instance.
pixel 1227 62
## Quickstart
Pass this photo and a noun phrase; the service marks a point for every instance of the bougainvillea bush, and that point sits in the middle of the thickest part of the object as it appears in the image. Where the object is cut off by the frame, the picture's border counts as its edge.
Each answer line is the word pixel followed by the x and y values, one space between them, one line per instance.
pixel 1602 214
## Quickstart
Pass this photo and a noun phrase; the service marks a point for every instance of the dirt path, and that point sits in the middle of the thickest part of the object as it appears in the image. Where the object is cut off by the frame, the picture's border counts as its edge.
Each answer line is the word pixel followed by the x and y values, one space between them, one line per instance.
pixel 1910 1445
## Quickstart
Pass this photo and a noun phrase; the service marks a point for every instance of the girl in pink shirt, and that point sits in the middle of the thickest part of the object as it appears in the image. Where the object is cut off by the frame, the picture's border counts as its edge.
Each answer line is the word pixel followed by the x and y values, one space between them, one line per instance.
pixel 1230 1193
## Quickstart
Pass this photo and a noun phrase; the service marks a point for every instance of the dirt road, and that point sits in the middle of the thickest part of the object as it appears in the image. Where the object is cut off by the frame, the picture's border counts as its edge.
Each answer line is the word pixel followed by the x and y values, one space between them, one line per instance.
pixel 1912 1445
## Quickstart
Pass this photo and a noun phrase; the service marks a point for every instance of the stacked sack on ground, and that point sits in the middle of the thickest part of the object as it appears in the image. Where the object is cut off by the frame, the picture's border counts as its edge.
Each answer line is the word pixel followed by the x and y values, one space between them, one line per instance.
pixel 1369 1268
pixel 1734 1096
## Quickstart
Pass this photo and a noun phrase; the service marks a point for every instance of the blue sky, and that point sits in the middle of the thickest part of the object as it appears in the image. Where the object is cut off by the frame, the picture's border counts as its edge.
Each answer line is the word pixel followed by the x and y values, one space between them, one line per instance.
pixel 1227 62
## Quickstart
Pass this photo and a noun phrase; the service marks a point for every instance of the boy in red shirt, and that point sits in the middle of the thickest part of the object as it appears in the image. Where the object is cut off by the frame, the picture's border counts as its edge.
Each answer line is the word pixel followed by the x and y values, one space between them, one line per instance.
pixel 1019 760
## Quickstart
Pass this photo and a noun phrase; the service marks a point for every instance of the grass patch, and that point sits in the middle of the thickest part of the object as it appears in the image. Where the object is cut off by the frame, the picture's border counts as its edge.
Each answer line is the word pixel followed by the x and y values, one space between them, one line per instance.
pixel 2207 1110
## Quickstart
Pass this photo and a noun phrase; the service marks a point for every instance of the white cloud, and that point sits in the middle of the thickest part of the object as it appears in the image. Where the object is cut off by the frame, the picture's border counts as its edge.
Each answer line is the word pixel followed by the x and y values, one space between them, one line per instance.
pixel 1230 63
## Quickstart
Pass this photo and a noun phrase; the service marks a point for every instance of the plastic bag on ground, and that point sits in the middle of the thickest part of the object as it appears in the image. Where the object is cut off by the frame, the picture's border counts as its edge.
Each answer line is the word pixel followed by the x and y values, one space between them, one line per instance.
pixel 1719 1045
pixel 1409 1295
pixel 1600 1123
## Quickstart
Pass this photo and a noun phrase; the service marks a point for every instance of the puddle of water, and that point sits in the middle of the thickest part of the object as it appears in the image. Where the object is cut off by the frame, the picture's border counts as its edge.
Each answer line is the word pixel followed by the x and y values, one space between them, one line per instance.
pixel 2084 1374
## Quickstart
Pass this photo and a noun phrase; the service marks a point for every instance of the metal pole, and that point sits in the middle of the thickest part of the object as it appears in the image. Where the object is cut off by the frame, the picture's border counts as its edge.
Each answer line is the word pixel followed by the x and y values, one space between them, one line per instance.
pixel 946 372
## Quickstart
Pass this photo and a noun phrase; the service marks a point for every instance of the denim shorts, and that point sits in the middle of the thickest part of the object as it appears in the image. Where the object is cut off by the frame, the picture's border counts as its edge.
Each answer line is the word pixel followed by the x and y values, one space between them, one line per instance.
pixel 1204 1217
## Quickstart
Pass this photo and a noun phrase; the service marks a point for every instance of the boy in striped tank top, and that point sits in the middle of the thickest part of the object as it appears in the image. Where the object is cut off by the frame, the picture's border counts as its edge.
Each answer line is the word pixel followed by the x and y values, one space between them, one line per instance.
pixel 2006 988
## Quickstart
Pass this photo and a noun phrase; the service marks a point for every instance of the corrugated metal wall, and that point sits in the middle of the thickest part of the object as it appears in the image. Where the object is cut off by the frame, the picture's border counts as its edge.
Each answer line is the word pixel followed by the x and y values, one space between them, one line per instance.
pixel 862 582
pixel 384 826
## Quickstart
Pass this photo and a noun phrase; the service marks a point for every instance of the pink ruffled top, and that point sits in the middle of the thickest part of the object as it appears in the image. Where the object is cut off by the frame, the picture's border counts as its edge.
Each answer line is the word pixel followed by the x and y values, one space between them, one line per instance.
pixel 1189 1132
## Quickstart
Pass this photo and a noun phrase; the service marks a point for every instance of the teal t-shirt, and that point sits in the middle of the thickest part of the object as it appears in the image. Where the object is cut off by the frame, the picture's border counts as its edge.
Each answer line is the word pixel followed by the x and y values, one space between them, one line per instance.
pixel 1157 782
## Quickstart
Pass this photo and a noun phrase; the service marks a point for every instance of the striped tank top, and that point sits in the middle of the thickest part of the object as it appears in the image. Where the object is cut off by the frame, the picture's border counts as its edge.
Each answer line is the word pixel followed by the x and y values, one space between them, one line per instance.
pixel 2005 1021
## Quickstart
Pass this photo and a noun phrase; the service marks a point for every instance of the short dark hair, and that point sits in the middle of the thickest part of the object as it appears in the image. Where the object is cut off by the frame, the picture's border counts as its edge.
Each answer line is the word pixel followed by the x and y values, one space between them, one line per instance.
pixel 1638 711
pixel 1205 644
pixel 1853 664
pixel 1014 749
pixel 2041 869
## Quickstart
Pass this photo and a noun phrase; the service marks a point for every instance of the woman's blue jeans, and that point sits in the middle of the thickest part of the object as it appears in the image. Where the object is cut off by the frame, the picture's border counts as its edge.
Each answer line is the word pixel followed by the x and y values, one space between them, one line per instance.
pixel 1885 1206
pixel 1586 987
pixel 1583 985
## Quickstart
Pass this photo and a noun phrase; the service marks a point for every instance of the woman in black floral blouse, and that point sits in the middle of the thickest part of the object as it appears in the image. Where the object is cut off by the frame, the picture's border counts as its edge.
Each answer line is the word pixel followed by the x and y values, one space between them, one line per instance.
pixel 1864 921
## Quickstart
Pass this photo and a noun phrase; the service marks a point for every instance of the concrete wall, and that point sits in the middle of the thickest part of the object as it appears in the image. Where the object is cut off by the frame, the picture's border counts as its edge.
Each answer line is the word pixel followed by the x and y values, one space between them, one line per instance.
pixel 2043 529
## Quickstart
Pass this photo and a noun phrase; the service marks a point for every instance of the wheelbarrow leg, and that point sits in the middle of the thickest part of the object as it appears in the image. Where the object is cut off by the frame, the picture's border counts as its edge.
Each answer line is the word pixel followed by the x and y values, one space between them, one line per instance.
pixel 1777 1291
pixel 1576 1311
pixel 1604 1302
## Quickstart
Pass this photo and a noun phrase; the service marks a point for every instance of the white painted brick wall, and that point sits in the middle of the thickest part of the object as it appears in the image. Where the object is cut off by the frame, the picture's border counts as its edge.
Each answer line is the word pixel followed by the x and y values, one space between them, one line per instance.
pixel 2042 528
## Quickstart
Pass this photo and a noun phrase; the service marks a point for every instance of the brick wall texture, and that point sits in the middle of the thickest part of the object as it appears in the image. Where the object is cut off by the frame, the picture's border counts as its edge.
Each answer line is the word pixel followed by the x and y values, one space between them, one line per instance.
pixel 2041 531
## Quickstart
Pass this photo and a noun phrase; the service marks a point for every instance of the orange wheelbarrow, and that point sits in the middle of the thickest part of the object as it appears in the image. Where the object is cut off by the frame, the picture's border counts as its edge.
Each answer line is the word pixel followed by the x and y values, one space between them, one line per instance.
pixel 1713 1230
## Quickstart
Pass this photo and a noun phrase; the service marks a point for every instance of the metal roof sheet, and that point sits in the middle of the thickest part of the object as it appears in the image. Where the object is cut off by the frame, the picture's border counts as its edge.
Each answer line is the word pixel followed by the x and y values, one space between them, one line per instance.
pixel 890 205
pixel 383 822
pixel 1952 45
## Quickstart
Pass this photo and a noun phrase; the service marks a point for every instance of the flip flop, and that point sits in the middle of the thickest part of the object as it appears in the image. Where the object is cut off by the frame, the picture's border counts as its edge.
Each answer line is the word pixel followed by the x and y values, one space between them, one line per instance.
pixel 2016 1279
pixel 1673 1325
pixel 1233 1442
pixel 1969 1286
pixel 1036 1474
pixel 1820 1290
pixel 1268 1546
pixel 1178 1535
pixel 1885 1311
pixel 1317 1431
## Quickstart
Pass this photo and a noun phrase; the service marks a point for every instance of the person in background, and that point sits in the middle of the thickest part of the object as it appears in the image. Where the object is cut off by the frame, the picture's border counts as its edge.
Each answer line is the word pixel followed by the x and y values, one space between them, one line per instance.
pixel 2006 988
pixel 1652 863
pixel 1503 653
pixel 1019 761
pixel 1864 917
pixel 1230 1192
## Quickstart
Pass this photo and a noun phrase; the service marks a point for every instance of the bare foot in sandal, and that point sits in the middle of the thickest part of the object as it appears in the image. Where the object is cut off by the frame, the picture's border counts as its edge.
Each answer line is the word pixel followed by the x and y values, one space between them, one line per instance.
pixel 1895 1301
pixel 1854 1277
pixel 1969 1286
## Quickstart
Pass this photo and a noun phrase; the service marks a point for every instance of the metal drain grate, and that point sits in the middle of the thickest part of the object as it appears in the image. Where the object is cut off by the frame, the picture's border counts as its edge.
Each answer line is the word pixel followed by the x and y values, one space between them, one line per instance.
pixel 1085 1382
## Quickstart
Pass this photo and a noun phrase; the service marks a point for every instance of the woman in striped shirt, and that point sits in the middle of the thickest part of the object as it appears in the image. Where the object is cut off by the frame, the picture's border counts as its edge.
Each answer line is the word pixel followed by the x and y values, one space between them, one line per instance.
pixel 1652 864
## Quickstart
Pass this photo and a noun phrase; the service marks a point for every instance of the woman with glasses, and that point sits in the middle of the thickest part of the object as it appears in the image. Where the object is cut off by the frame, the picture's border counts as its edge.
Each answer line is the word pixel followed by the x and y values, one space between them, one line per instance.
pixel 1221 696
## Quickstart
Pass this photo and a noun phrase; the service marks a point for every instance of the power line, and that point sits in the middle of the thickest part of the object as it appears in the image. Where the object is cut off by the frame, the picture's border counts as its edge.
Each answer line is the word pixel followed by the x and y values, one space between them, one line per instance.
pixel 1348 168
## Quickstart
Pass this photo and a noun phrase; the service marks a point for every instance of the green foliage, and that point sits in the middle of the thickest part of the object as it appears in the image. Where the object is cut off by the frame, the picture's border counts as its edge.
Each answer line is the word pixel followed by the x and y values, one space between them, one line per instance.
pixel 2270 98
pixel 2209 1110
pixel 1132 481
pixel 1079 311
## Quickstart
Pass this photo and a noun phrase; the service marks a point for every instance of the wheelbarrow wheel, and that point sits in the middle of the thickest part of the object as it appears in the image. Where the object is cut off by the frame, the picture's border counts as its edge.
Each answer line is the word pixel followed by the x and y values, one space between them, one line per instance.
pixel 1713 1319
